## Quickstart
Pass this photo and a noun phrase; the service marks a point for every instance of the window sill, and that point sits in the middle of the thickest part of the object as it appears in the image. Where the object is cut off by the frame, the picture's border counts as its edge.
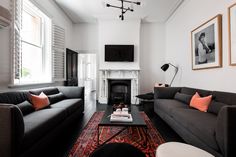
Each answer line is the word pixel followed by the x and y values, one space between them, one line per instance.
pixel 29 84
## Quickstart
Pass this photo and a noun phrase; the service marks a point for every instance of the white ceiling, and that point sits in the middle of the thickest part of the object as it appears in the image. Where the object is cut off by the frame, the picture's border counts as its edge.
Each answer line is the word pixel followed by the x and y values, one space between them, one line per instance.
pixel 92 10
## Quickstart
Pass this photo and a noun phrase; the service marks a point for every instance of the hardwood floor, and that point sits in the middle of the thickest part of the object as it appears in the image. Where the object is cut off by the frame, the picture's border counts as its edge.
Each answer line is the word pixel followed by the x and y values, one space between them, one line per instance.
pixel 65 142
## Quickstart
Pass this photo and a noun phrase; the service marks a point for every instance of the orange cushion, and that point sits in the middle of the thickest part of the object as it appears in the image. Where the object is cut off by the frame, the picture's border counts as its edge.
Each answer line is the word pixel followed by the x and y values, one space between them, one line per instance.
pixel 200 103
pixel 39 101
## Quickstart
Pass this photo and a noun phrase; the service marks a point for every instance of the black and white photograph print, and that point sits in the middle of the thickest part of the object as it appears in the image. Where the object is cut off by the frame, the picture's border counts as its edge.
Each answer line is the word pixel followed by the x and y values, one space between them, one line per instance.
pixel 207 45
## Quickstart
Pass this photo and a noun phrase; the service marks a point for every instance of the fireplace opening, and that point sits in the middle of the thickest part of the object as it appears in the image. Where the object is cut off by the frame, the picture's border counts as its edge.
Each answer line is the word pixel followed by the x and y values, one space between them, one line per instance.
pixel 119 91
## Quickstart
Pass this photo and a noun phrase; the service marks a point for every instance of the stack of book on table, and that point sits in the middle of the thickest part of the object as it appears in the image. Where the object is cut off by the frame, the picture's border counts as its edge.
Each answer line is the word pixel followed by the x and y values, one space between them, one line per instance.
pixel 121 116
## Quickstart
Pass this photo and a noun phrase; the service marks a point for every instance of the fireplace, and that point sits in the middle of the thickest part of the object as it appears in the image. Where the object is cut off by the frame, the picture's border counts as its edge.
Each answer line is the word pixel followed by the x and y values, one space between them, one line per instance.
pixel 119 91
pixel 105 75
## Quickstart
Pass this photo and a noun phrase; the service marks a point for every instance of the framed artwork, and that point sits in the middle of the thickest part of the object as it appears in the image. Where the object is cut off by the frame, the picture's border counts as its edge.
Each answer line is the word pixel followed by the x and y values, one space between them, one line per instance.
pixel 206 44
pixel 232 34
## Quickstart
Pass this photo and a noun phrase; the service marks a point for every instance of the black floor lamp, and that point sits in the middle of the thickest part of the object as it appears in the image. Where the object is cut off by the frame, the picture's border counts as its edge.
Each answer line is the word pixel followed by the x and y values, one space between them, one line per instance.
pixel 166 66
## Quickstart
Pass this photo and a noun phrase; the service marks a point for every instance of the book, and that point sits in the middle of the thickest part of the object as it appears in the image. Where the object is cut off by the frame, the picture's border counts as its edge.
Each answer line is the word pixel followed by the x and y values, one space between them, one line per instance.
pixel 115 117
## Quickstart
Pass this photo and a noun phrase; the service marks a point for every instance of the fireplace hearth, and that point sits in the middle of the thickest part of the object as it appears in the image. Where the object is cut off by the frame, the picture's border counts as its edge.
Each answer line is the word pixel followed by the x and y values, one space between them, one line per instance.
pixel 119 91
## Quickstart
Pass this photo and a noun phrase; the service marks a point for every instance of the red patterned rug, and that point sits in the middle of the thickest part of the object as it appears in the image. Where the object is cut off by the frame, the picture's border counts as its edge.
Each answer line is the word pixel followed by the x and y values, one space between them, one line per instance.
pixel 87 141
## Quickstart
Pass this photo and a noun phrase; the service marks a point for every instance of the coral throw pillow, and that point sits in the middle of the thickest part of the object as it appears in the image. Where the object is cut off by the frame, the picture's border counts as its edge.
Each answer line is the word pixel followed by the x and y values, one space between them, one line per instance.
pixel 200 103
pixel 39 101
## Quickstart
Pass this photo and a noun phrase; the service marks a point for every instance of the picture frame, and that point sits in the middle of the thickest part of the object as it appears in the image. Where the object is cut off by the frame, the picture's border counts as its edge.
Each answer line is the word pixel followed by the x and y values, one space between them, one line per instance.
pixel 232 33
pixel 206 44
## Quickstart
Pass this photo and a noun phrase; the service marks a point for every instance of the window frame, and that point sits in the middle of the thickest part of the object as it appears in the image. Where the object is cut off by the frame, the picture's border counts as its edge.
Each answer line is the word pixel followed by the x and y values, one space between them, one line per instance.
pixel 42 44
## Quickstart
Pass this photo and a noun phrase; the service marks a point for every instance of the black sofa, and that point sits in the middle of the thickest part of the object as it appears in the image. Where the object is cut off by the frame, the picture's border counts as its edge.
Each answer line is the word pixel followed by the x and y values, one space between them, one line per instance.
pixel 24 131
pixel 213 131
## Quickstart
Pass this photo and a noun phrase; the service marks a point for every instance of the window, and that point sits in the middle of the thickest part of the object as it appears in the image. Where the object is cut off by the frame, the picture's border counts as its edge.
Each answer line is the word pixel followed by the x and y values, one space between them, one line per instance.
pixel 34 65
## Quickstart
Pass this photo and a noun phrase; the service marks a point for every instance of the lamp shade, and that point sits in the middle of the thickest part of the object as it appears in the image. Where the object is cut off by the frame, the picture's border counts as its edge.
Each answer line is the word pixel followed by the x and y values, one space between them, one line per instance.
pixel 165 67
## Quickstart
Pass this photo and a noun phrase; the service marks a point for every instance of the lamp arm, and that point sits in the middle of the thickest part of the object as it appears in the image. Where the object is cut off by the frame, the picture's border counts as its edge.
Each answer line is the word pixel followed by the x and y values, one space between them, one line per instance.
pixel 176 70
pixel 173 66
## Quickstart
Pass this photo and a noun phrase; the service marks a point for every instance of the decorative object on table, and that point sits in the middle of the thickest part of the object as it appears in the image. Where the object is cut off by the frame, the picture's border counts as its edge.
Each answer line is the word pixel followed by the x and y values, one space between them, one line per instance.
pixel 119 106
pixel 5 17
pixel 177 149
pixel 121 115
pixel 206 42
pixel 117 150
pixel 166 67
pixel 232 34
pixel 123 8
pixel 87 143
pixel 161 85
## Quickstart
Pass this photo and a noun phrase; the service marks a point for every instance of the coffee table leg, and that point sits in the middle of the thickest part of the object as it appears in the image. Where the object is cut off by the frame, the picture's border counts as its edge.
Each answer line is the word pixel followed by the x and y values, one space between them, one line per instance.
pixel 146 136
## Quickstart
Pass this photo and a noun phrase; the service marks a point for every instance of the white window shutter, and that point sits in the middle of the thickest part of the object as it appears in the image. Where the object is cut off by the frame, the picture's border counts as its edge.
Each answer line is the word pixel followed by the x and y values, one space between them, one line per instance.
pixel 16 38
pixel 58 53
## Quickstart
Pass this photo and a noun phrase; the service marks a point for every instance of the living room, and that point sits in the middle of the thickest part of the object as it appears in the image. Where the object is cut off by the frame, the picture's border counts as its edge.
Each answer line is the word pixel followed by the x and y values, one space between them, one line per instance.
pixel 165 40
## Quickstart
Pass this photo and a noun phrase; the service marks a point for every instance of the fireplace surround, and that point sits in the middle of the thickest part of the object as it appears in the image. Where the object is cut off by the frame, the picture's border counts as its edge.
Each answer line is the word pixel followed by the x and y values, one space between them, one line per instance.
pixel 118 75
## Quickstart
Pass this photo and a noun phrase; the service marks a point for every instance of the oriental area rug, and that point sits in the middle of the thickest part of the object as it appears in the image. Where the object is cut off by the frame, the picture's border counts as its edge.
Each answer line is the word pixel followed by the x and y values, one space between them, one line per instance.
pixel 87 141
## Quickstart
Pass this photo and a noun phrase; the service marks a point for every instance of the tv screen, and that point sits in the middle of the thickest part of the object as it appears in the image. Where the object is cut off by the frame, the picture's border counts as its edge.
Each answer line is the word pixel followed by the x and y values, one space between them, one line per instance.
pixel 119 53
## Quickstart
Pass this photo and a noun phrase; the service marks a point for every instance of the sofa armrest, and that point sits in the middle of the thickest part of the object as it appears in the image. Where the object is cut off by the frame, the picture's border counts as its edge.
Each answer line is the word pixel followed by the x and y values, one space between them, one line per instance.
pixel 165 92
pixel 226 131
pixel 72 92
pixel 11 129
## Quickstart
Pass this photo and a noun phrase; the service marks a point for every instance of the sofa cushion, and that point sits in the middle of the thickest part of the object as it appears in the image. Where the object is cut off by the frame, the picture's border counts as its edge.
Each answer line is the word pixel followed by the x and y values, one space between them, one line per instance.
pixel 56 98
pixel 225 97
pixel 13 97
pixel 215 107
pixel 169 105
pixel 39 101
pixel 26 107
pixel 200 103
pixel 47 91
pixel 165 92
pixel 70 105
pixel 200 124
pixel 192 91
pixel 39 123
pixel 72 92
pixel 185 98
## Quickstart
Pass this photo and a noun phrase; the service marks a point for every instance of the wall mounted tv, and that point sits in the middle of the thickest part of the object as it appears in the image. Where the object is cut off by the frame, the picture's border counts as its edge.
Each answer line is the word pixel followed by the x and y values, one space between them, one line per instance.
pixel 119 53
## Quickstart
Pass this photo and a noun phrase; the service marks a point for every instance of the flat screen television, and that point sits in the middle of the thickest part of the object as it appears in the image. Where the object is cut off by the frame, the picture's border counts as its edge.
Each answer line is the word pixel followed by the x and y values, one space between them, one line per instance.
pixel 119 53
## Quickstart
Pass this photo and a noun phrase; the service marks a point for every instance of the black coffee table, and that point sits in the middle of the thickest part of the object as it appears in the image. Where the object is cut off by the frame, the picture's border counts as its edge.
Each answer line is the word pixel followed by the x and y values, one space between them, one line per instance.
pixel 138 121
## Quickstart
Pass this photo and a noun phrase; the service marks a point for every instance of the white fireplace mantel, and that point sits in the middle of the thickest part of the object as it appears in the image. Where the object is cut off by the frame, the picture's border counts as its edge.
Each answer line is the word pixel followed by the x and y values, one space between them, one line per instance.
pixel 118 74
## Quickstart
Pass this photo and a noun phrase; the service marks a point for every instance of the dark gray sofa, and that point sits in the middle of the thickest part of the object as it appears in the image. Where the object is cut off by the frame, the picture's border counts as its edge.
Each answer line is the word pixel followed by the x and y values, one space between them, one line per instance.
pixel 24 131
pixel 213 131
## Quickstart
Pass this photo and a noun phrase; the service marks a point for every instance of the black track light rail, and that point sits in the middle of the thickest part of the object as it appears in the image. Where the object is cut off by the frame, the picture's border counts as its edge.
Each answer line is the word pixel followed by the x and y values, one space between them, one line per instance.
pixel 123 9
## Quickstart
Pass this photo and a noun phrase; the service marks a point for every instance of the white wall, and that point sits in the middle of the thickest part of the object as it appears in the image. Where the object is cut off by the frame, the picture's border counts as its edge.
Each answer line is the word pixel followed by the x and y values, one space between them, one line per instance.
pixel 5 50
pixel 190 15
pixel 85 37
pixel 52 10
pixel 119 32
pixel 152 55
pixel 85 40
